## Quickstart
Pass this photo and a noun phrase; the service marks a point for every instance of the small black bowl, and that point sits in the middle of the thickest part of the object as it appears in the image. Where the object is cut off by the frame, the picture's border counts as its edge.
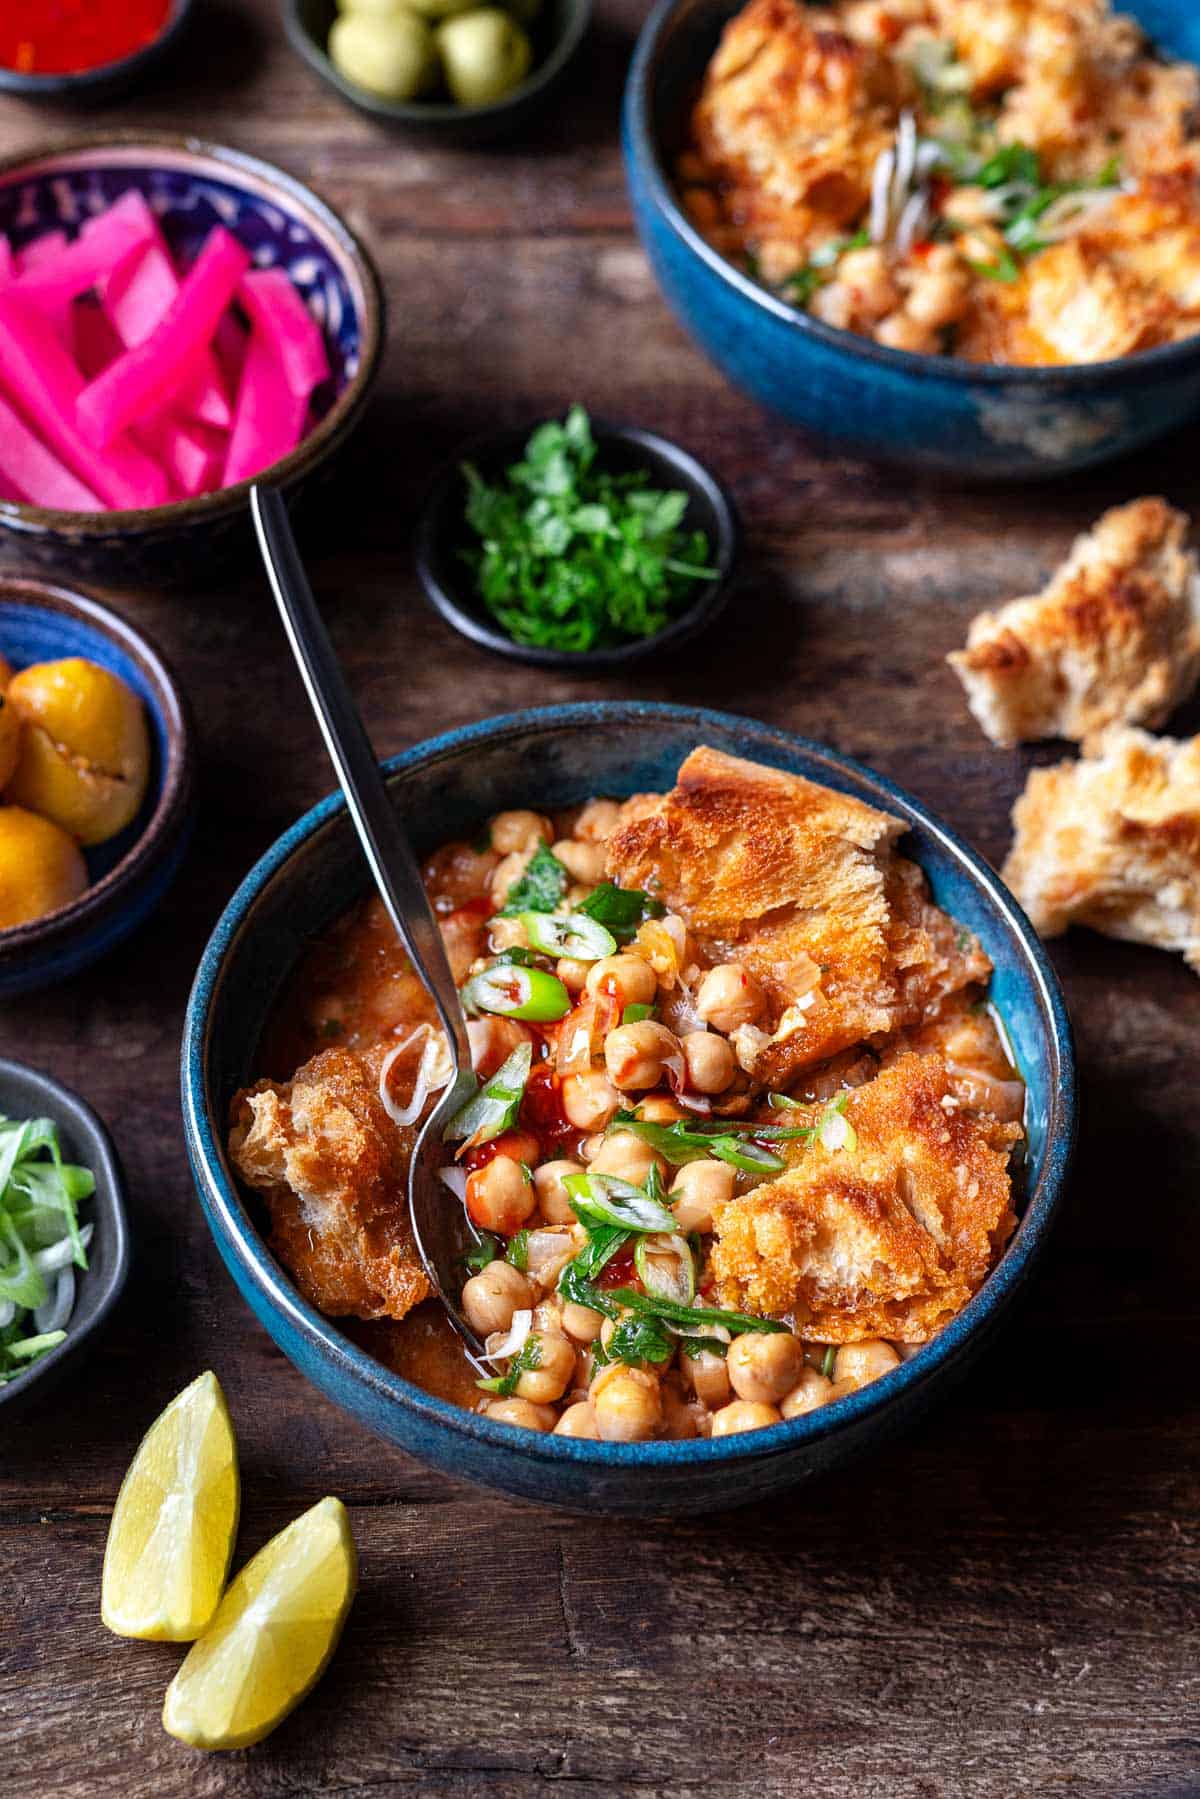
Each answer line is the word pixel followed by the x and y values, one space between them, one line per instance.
pixel 442 536
pixel 24 1093
pixel 556 34
pixel 95 87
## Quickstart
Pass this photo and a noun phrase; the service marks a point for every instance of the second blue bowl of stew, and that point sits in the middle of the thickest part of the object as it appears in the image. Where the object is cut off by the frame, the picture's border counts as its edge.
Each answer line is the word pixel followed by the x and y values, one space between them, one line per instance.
pixel 550 759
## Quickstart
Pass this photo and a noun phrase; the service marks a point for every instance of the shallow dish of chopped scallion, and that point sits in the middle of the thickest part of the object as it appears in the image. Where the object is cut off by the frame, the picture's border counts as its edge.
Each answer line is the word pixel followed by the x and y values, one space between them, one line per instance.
pixel 43 1244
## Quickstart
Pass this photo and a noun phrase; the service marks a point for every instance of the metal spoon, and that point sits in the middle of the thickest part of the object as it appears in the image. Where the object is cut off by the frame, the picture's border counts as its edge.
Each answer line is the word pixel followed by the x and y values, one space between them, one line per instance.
pixel 440 1227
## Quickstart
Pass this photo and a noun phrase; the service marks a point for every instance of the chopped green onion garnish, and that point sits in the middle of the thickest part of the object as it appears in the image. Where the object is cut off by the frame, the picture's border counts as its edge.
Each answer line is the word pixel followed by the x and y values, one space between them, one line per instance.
pixel 666 1268
pixel 576 935
pixel 513 992
pixel 827 1361
pixel 634 1014
pixel 606 1199
pixel 494 1109
pixel 736 1323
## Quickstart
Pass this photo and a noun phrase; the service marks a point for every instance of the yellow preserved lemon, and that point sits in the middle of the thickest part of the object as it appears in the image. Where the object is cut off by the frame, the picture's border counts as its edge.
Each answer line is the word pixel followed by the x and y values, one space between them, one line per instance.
pixel 171 1538
pixel 10 736
pixel 84 757
pixel 41 868
pixel 273 1634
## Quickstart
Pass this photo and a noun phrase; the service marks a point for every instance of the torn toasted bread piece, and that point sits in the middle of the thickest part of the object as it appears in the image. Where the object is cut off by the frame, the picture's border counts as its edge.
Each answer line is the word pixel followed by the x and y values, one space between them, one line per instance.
pixel 1113 841
pixel 888 1236
pixel 801 885
pixel 332 1168
pixel 1113 637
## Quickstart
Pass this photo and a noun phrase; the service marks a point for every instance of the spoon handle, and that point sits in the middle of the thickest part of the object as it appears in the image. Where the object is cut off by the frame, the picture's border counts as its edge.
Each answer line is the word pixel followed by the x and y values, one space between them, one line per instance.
pixel 384 840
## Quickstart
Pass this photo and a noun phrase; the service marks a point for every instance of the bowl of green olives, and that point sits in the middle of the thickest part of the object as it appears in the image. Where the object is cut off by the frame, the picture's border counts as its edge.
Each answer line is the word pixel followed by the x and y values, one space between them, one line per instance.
pixel 463 71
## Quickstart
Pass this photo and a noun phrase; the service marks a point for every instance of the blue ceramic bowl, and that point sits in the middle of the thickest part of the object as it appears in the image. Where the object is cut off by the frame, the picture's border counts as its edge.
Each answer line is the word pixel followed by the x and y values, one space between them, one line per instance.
pixel 554 758
pixel 193 186
pixel 934 412
pixel 131 873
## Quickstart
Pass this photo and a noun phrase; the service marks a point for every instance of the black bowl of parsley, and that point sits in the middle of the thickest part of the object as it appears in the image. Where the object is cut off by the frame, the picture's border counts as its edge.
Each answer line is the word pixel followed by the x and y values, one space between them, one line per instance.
pixel 577 545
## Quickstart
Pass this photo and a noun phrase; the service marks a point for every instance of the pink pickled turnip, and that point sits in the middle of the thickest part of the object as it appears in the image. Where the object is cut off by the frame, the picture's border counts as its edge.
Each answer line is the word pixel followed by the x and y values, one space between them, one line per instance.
pixel 74 268
pixel 187 452
pixel 41 250
pixel 269 421
pixel 277 309
pixel 43 379
pixel 136 298
pixel 148 375
pixel 94 342
pixel 33 472
pixel 8 262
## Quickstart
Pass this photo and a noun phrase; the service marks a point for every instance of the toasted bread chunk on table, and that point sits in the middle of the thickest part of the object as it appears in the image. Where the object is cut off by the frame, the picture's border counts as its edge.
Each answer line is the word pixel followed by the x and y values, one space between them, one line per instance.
pixel 801 885
pixel 332 1168
pixel 888 1236
pixel 1113 841
pixel 1114 637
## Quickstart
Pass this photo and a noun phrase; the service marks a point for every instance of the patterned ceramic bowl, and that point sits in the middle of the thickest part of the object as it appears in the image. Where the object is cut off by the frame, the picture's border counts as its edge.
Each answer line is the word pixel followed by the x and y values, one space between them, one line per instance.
pixel 554 758
pixel 131 873
pixel 192 186
pixel 937 412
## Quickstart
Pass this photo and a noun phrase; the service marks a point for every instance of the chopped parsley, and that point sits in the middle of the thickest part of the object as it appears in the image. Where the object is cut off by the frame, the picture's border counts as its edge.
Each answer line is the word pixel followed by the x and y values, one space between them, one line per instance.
pixel 640 1341
pixel 541 887
pixel 485 1250
pixel 517 1253
pixel 620 909
pixel 527 1358
pixel 652 1306
pixel 574 557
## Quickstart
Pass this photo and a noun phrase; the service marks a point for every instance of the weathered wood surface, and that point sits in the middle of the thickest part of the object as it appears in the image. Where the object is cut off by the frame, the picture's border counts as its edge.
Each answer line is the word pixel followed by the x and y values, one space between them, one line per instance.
pixel 1002 1604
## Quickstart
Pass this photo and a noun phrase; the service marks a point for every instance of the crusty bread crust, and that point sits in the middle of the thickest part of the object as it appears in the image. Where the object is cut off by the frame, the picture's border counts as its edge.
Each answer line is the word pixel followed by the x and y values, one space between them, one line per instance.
pixel 1114 637
pixel 1113 841
pixel 889 1240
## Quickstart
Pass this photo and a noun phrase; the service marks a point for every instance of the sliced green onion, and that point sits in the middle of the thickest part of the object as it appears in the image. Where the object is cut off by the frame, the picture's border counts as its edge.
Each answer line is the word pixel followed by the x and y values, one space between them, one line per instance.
pixel 495 1107
pixel 634 1014
pixel 513 992
pixel 737 1323
pixel 28 1349
pixel 743 1153
pixel 666 1268
pixel 576 935
pixel 780 1102
pixel 827 1361
pixel 835 1130
pixel 606 1199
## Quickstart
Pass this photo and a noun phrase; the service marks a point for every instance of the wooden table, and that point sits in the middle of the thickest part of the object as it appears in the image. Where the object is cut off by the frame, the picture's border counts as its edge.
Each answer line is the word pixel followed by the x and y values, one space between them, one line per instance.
pixel 1002 1604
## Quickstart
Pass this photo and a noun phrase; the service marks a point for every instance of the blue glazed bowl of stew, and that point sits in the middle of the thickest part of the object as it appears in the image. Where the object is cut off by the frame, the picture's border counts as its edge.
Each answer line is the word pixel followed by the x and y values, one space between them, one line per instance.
pixel 939 413
pixel 130 874
pixel 553 758
pixel 191 186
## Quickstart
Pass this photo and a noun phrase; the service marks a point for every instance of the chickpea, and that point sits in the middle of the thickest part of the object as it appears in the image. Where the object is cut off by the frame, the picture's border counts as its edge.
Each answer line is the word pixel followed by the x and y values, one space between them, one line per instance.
pixel 591 1146
pixel 637 1054
pixel 631 981
pixel 554 1373
pixel 729 996
pixel 522 1412
pixel 938 296
pixel 708 1060
pixel 708 1378
pixel 765 1365
pixel 598 820
pixel 552 1196
pixel 514 832
pixel 901 331
pixel 589 1100
pixel 506 873
pixel 865 1361
pixel 581 1322
pixel 627 1406
pixel 743 1414
pixel 660 1110
pixel 573 973
pixel 698 1194
pixel 679 1419
pixel 490 1298
pixel 462 934
pixel 866 271
pixel 506 933
pixel 493 1041
pixel 583 861
pixel 500 1196
pixel 577 1421
pixel 625 1155
pixel 811 1390
pixel 457 873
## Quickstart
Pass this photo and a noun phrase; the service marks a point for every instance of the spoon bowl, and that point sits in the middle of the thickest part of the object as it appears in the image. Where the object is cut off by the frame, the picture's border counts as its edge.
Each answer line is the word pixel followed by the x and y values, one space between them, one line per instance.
pixel 441 1231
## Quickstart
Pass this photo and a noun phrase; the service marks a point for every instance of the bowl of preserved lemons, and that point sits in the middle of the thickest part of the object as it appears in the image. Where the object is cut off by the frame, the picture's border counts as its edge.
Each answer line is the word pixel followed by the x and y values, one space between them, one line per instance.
pixel 465 71
pixel 96 781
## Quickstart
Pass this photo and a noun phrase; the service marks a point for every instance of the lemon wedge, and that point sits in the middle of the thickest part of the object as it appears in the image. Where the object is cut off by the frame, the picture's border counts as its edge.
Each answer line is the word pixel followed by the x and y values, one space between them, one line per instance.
pixel 175 1520
pixel 273 1634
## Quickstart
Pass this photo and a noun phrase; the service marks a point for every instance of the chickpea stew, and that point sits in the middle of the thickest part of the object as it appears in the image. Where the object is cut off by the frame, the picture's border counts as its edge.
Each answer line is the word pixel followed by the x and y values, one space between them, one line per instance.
pixel 744 1126
pixel 1009 181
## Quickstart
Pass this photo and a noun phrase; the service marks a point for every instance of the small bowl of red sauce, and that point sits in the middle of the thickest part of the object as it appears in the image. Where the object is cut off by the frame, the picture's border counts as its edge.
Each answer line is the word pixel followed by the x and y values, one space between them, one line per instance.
pixel 86 51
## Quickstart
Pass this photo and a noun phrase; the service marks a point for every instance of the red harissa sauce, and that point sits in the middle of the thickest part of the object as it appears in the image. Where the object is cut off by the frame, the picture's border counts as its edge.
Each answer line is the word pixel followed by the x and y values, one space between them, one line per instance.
pixel 67 37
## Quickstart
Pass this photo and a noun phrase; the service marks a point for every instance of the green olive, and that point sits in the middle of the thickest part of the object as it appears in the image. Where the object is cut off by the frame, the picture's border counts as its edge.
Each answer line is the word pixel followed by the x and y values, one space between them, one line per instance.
pixel 394 57
pixel 485 54
pixel 375 9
